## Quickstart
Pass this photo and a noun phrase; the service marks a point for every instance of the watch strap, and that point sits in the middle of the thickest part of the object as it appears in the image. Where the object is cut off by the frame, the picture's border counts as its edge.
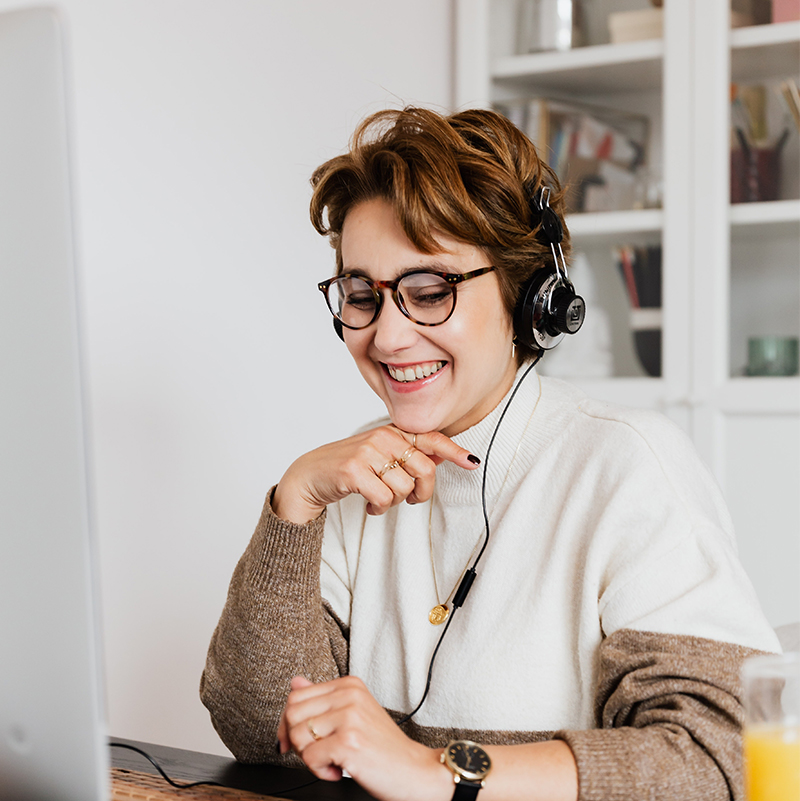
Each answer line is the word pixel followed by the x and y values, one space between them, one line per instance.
pixel 466 790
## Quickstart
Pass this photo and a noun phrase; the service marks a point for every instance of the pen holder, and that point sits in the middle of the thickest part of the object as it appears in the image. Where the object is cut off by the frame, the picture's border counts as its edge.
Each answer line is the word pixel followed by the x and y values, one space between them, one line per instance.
pixel 548 25
pixel 755 174
pixel 772 356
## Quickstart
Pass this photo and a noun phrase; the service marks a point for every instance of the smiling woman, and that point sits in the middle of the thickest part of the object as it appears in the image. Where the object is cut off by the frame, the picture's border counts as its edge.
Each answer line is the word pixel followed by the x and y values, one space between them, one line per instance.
pixel 598 654
pixel 473 345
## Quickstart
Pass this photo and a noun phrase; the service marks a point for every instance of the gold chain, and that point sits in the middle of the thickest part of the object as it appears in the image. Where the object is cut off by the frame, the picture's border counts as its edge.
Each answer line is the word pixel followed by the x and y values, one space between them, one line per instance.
pixel 441 611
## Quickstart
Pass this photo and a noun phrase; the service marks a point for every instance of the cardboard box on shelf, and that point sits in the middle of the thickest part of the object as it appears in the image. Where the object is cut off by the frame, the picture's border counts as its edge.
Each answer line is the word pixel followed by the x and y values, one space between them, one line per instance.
pixel 741 19
pixel 648 23
pixel 634 26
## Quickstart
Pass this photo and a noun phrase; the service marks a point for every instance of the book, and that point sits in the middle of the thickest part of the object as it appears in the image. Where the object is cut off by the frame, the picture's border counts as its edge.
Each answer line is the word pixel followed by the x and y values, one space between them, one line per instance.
pixel 597 153
pixel 640 269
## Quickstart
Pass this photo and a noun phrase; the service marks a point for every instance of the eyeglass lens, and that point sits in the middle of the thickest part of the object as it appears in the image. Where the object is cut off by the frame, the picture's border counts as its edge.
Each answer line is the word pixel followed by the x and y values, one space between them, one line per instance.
pixel 424 298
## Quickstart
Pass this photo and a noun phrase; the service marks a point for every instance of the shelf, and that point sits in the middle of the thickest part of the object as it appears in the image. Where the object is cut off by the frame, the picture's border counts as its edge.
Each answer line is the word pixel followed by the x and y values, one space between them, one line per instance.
pixel 757 53
pixel 638 226
pixel 756 396
pixel 765 51
pixel 773 218
pixel 612 68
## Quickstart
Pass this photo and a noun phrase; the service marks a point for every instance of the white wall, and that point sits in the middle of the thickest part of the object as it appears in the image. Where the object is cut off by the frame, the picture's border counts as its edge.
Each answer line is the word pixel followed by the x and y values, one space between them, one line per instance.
pixel 212 359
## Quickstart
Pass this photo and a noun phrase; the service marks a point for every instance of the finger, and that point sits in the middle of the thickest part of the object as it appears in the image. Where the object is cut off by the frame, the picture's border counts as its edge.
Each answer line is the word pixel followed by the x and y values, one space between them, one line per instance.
pixel 302 690
pixel 367 470
pixel 422 470
pixel 319 759
pixel 307 701
pixel 327 772
pixel 319 718
pixel 312 700
pixel 377 493
pixel 284 743
pixel 305 724
pixel 349 730
pixel 401 485
pixel 440 448
pixel 386 452
pixel 310 721
pixel 312 705
pixel 425 452
pixel 307 739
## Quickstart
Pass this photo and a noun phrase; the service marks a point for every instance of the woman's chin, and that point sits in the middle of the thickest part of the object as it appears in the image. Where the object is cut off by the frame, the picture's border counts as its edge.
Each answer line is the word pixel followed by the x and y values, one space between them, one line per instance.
pixel 414 423
pixel 411 426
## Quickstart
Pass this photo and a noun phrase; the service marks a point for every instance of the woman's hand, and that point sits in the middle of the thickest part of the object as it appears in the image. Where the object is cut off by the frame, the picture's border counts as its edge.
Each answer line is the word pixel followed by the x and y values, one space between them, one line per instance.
pixel 385 465
pixel 338 725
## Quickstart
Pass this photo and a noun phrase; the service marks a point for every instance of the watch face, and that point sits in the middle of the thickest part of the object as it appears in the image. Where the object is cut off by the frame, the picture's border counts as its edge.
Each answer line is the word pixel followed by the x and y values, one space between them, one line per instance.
pixel 468 760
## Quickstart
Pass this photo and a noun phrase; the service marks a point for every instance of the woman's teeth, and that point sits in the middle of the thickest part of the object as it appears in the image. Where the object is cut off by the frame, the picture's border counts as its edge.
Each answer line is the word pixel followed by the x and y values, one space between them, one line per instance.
pixel 414 373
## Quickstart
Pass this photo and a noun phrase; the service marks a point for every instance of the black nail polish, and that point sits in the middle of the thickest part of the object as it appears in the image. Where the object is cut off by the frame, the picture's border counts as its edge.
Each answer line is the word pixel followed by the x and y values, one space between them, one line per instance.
pixel 474 459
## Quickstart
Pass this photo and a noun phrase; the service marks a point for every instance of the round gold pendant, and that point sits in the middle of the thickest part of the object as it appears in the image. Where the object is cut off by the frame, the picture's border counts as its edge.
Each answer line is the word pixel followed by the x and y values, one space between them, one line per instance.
pixel 438 614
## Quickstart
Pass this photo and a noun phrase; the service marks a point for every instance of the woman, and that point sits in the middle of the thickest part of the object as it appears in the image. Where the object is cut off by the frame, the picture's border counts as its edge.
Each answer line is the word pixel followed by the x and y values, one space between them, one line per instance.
pixel 597 653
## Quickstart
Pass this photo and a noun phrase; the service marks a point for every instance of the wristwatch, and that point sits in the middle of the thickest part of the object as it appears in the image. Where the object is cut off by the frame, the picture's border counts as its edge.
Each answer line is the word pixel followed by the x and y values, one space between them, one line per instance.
pixel 470 765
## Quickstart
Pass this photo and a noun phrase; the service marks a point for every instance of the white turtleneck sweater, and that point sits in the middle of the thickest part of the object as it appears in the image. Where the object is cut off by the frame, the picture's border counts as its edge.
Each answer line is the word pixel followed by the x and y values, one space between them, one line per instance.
pixel 610 609
pixel 602 519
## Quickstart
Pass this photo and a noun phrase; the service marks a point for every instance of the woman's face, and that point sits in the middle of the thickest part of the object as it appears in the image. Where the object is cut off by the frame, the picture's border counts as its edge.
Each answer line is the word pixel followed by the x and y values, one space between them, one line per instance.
pixel 473 347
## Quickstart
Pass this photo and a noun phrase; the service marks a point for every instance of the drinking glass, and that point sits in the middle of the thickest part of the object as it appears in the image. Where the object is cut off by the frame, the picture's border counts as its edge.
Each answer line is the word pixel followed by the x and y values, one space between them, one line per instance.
pixel 772 727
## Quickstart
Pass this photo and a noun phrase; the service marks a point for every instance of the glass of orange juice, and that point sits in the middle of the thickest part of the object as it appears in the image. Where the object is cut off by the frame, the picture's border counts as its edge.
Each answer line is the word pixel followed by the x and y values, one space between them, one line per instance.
pixel 772 727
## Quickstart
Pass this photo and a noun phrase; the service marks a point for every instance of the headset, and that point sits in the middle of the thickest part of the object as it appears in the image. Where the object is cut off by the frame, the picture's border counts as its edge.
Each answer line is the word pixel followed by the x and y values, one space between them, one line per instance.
pixel 548 307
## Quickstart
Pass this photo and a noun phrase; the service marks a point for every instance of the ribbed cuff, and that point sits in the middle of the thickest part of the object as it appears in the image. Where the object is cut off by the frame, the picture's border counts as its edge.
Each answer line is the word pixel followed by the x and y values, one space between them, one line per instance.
pixel 284 551
pixel 605 773
pixel 652 762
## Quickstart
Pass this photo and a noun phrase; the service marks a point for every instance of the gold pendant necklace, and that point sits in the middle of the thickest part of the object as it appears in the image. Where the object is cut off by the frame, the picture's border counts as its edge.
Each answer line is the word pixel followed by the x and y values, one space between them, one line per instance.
pixel 441 611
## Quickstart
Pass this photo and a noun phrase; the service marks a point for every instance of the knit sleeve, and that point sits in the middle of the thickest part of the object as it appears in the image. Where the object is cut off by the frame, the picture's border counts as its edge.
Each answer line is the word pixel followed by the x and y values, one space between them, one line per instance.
pixel 275 625
pixel 669 721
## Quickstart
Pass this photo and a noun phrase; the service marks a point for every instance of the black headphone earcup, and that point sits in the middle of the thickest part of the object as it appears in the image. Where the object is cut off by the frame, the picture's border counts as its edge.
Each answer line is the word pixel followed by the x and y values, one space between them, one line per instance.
pixel 525 313
pixel 547 310
pixel 338 328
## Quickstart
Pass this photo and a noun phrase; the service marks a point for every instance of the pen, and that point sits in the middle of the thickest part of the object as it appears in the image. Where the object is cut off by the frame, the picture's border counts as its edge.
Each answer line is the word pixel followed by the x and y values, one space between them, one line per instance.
pixel 792 98
pixel 782 140
pixel 750 167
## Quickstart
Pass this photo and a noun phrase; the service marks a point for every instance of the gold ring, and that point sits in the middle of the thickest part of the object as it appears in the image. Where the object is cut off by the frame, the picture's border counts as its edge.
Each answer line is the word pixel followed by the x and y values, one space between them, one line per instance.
pixel 312 731
pixel 406 456
pixel 413 440
pixel 387 467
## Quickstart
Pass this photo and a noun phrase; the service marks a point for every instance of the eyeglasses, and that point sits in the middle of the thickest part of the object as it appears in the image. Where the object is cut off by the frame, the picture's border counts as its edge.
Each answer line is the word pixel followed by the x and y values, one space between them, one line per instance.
pixel 426 298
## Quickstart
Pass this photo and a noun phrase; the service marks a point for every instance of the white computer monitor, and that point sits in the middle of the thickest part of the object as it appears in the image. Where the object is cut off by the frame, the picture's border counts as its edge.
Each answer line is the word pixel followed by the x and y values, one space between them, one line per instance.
pixel 52 740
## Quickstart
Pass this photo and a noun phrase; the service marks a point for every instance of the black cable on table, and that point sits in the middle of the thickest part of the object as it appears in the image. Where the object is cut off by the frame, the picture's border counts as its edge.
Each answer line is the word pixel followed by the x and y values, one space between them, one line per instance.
pixel 208 783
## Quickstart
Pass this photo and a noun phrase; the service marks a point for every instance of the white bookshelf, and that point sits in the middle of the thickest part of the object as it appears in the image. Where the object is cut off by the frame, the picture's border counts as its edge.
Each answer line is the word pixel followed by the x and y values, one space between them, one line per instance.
pixel 606 227
pixel 729 271
pixel 601 68
pixel 776 217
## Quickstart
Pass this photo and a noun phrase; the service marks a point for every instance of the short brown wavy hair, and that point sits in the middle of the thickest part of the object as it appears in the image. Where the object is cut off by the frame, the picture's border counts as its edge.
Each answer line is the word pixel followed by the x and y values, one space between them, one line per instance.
pixel 469 175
